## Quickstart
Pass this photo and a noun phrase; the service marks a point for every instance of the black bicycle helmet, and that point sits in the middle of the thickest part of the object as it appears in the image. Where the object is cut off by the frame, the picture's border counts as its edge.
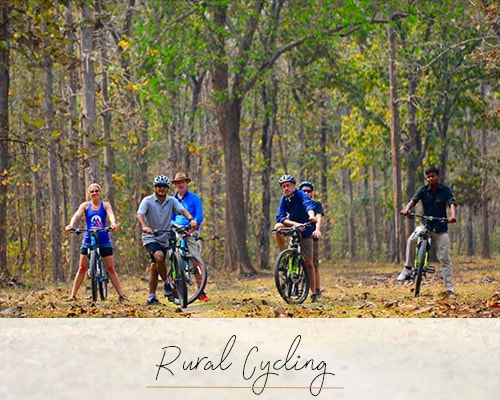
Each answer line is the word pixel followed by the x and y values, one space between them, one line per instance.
pixel 306 183
pixel 161 180
pixel 287 178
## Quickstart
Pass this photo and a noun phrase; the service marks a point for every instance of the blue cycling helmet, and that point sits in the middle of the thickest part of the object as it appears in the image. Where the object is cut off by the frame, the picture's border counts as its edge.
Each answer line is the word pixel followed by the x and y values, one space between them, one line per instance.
pixel 287 178
pixel 306 183
pixel 161 180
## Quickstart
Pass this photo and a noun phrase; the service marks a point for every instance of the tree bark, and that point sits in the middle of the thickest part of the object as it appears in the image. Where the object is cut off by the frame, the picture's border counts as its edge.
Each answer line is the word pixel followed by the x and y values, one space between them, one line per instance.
pixel 484 232
pixel 269 100
pixel 395 145
pixel 73 141
pixel 88 116
pixel 4 131
pixel 54 187
pixel 228 109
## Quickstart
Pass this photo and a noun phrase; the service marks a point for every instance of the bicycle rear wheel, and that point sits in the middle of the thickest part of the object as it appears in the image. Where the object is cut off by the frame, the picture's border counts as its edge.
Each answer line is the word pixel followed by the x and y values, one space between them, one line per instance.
pixel 291 277
pixel 196 277
pixel 422 254
pixel 93 273
pixel 179 280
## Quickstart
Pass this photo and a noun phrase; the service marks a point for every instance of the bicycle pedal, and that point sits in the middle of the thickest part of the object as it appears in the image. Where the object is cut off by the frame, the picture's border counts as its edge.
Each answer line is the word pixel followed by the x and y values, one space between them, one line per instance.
pixel 430 270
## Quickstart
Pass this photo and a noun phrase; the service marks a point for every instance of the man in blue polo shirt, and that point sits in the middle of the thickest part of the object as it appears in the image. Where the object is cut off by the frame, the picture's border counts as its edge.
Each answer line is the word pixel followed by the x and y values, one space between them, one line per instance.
pixel 191 202
pixel 435 198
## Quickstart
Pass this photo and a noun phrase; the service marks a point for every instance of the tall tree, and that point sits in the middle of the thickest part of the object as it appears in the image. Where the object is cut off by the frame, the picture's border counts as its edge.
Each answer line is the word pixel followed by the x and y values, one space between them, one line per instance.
pixel 73 137
pixel 88 114
pixel 395 144
pixel 53 140
pixel 5 9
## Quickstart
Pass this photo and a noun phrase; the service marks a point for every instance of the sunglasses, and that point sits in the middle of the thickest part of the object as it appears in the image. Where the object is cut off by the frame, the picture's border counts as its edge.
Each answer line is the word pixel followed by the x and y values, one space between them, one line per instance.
pixel 161 186
pixel 94 191
pixel 307 190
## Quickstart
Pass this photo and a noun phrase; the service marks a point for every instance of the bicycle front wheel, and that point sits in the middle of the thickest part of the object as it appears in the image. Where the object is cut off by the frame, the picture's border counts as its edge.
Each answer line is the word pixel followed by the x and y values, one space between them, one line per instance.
pixel 93 273
pixel 422 255
pixel 103 280
pixel 196 277
pixel 179 280
pixel 291 277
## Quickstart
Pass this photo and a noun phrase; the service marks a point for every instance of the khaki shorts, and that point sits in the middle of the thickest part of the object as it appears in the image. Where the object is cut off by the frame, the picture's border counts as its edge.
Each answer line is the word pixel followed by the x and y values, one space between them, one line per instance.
pixel 194 245
pixel 306 247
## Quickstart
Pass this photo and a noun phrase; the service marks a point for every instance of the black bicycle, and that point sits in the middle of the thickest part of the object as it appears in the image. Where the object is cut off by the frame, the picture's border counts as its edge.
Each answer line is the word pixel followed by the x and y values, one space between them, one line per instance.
pixel 97 271
pixel 176 278
pixel 421 263
pixel 290 271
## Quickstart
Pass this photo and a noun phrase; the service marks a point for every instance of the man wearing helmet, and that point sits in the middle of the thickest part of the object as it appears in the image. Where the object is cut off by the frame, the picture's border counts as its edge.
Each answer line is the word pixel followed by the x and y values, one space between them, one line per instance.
pixel 296 208
pixel 155 212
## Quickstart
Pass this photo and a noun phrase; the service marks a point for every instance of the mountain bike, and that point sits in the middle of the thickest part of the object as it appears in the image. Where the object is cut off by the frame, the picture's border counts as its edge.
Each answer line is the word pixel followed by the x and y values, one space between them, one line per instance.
pixel 421 263
pixel 97 271
pixel 194 268
pixel 290 271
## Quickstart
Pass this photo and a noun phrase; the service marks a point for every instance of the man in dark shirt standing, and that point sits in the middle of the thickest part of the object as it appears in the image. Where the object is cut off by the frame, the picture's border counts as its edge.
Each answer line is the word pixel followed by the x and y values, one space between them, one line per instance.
pixel 435 198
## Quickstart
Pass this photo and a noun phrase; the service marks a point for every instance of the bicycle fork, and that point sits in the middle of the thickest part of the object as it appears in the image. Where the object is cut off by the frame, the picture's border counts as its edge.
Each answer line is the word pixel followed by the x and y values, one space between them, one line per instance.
pixel 427 268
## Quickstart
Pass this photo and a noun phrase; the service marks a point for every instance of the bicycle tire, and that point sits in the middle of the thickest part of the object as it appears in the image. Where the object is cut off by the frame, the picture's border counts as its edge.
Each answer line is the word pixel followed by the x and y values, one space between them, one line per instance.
pixel 179 280
pixel 103 281
pixel 193 288
pixel 293 289
pixel 93 273
pixel 422 254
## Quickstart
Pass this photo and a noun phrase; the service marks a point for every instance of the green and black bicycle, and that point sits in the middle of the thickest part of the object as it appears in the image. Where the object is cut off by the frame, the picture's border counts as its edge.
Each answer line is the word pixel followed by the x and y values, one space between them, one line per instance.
pixel 290 271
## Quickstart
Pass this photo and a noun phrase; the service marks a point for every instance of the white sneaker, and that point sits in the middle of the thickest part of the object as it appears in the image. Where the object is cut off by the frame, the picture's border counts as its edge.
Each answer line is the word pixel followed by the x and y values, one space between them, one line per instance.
pixel 404 275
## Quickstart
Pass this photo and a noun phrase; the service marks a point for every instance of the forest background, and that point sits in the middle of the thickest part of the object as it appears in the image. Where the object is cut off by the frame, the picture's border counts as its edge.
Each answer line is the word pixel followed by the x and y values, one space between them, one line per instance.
pixel 355 96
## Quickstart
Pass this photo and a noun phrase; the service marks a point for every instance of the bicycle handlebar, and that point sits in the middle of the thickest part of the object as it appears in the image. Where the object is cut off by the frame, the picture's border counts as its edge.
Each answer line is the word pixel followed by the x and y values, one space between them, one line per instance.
pixel 427 217
pixel 91 230
pixel 181 230
pixel 290 229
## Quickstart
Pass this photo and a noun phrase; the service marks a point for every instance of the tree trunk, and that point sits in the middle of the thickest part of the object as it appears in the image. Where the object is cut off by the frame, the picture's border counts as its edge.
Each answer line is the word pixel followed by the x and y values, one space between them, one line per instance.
pixel 323 186
pixel 74 143
pixel 4 131
pixel 484 232
pixel 54 188
pixel 368 205
pixel 269 95
pixel 351 236
pixel 228 109
pixel 88 116
pixel 236 255
pixel 395 143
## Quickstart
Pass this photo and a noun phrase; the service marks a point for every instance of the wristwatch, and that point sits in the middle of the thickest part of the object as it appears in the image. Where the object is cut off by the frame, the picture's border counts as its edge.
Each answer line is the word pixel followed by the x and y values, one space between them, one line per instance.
pixel 191 219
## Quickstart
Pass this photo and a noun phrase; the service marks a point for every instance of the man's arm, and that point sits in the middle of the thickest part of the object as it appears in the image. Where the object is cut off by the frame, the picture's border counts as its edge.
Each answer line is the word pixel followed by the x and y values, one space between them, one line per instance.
pixel 189 217
pixel 408 208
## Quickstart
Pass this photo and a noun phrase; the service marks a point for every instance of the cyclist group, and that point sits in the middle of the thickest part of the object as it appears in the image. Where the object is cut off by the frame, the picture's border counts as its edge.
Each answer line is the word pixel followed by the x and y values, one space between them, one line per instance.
pixel 296 207
pixel 158 211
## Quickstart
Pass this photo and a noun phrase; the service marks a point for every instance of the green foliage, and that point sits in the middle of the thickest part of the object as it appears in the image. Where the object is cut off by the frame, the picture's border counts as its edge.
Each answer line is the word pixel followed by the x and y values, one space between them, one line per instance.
pixel 333 78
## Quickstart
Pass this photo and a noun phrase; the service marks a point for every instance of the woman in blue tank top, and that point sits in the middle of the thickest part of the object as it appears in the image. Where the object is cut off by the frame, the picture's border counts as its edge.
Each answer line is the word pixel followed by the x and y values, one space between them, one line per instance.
pixel 96 212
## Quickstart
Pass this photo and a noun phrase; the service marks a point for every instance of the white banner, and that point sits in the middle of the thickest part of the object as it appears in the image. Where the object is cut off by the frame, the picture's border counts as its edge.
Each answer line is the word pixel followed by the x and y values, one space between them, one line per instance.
pixel 184 359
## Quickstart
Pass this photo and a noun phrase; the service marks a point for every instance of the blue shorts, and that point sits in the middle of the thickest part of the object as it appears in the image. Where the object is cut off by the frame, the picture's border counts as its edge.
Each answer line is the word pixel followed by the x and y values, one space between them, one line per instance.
pixel 153 247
